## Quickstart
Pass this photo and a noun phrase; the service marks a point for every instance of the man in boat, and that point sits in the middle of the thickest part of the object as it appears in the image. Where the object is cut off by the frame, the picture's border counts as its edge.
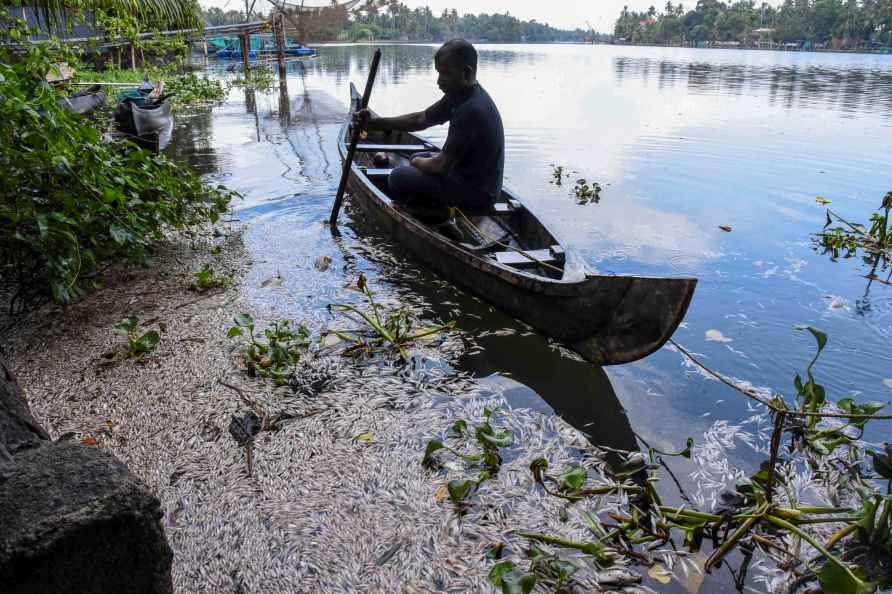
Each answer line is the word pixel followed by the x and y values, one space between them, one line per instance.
pixel 468 171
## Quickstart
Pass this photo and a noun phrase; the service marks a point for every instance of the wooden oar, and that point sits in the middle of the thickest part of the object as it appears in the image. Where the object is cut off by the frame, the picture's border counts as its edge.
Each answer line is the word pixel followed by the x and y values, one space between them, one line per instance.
pixel 357 130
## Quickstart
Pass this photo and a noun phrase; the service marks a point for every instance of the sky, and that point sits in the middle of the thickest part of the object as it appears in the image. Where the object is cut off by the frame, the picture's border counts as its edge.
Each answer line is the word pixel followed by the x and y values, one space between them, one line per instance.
pixel 565 14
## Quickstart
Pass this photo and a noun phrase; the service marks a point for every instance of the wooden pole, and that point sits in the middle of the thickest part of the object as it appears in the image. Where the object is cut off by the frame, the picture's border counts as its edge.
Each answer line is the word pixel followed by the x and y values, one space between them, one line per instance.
pixel 245 44
pixel 280 43
pixel 348 160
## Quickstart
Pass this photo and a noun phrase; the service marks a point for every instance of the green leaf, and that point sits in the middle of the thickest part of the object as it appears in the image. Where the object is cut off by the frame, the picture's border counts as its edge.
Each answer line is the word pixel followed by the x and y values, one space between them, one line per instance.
pixel 458 428
pixel 820 337
pixel 126 326
pixel 835 580
pixel 245 320
pixel 234 331
pixel 509 580
pixel 563 569
pixel 146 342
pixel 432 446
pixel 501 439
pixel 574 479
pixel 460 489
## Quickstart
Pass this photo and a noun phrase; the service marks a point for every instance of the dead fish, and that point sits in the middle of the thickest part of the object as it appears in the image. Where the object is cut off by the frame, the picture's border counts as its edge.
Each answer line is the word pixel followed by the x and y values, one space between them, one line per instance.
pixel 618 577
pixel 322 263
pixel 275 281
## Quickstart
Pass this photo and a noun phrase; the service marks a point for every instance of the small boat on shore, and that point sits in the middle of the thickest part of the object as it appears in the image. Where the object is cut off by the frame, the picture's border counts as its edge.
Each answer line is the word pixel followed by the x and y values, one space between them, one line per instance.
pixel 509 258
pixel 85 102
pixel 138 114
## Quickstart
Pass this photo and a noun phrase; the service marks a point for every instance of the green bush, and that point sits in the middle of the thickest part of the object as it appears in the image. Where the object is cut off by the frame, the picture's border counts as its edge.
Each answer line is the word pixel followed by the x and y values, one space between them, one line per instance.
pixel 70 198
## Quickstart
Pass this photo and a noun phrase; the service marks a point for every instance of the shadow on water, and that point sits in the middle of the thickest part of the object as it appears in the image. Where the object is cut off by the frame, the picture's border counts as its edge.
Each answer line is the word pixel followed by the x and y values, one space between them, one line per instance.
pixel 510 357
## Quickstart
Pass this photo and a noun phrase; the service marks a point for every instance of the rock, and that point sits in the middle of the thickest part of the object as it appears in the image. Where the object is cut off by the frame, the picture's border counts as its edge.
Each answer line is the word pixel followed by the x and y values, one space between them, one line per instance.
pixel 73 519
pixel 18 429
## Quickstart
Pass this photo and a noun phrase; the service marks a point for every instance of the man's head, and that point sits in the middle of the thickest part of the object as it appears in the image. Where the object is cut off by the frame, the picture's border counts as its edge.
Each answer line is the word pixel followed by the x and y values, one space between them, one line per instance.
pixel 456 64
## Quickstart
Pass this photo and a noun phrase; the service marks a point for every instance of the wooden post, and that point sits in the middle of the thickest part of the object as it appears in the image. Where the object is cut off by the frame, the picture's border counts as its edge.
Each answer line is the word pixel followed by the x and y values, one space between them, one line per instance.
pixel 279 28
pixel 245 44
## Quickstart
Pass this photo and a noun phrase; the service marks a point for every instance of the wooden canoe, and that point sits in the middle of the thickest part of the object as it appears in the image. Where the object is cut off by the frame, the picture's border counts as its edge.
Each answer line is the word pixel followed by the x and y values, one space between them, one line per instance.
pixel 606 319
pixel 85 102
pixel 138 116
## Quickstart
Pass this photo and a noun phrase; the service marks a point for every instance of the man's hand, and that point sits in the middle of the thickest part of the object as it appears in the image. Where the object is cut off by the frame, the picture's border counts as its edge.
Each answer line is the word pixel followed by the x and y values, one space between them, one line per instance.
pixel 362 118
pixel 438 164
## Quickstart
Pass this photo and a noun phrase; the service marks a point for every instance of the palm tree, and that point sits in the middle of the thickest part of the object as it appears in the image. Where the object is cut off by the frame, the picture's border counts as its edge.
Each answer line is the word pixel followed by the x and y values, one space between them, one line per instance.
pixel 184 14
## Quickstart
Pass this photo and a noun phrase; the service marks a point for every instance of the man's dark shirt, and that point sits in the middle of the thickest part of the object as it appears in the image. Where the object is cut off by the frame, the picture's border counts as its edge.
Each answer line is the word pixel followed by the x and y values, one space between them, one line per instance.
pixel 476 139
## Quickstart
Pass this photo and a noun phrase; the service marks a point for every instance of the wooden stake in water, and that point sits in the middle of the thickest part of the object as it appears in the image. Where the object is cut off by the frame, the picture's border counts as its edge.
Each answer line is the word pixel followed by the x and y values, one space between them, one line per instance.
pixel 357 130
pixel 280 42
pixel 245 45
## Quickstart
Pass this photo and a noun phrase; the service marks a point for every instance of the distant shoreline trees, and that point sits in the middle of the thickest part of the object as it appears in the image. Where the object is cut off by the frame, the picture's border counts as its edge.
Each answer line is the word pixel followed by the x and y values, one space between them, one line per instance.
pixel 393 20
pixel 834 24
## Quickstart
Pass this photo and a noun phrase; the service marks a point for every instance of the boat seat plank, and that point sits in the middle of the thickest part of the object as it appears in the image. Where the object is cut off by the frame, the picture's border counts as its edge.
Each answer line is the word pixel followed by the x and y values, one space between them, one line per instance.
pixel 394 148
pixel 513 258
pixel 378 172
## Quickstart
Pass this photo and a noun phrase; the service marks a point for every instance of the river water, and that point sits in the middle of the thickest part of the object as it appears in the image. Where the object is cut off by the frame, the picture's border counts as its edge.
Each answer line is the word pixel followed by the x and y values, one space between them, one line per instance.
pixel 680 140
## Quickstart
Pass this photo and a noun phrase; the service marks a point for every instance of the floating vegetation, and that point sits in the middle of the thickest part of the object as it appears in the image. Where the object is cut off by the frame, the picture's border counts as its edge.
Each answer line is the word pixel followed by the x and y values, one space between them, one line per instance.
pixel 261 78
pixel 585 193
pixel 191 89
pixel 836 533
pixel 273 353
pixel 848 237
pixel 185 89
pixel 137 344
pixel 557 174
pixel 380 331
pixel 484 457
pixel 208 278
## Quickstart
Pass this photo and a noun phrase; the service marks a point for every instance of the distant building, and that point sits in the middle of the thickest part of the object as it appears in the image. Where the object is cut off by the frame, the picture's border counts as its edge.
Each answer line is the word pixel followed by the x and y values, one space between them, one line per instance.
pixel 35 20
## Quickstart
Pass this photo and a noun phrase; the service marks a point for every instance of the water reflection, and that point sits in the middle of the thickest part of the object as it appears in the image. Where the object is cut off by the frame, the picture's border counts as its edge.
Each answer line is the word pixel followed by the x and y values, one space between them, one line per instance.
pixel 192 140
pixel 400 62
pixel 284 105
pixel 848 89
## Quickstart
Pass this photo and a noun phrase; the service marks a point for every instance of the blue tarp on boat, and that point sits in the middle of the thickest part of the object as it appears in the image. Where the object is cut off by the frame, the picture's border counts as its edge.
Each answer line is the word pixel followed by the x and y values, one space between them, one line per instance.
pixel 260 45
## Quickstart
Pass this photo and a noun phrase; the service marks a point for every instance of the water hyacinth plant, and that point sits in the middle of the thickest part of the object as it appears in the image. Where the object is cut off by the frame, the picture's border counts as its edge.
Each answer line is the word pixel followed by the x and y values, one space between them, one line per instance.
pixel 137 344
pixel 273 353
pixel 836 535
pixel 485 439
pixel 208 278
pixel 848 237
pixel 380 331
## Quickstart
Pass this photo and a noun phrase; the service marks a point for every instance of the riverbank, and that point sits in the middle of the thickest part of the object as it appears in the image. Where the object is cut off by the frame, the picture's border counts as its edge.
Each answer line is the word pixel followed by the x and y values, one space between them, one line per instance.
pixel 336 497
pixel 784 48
